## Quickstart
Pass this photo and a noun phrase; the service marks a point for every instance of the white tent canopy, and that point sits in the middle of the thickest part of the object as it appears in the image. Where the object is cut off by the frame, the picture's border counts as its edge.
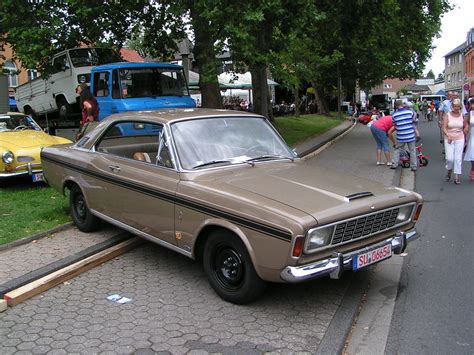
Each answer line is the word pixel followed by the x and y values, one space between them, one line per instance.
pixel 229 80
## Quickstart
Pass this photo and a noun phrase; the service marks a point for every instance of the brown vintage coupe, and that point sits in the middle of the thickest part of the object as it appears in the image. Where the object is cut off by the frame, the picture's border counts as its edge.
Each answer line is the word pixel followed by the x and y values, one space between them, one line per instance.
pixel 222 187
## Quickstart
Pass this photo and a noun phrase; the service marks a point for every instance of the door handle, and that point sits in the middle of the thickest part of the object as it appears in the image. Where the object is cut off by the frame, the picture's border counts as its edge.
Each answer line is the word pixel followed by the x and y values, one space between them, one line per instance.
pixel 114 168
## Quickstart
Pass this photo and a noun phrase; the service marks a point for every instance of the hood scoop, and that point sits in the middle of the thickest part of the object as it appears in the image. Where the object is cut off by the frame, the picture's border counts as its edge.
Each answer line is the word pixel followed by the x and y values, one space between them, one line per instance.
pixel 358 195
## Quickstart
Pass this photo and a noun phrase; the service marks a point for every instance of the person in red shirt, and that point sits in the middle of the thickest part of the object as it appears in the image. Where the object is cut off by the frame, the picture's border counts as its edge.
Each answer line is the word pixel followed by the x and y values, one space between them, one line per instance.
pixel 379 130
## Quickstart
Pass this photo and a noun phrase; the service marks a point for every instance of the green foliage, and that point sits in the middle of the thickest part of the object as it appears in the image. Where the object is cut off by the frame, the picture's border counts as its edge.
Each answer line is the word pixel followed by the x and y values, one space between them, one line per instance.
pixel 27 209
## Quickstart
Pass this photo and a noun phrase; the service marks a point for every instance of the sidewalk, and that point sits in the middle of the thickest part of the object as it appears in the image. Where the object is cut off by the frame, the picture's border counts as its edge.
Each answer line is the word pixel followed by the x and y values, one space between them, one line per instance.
pixel 165 317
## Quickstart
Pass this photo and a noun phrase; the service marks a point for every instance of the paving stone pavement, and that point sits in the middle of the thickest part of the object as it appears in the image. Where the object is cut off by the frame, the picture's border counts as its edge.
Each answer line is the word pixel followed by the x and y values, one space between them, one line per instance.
pixel 20 260
pixel 173 309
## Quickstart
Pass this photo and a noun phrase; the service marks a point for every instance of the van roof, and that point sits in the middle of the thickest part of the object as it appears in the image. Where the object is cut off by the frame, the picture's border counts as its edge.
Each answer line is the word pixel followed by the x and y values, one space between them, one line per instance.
pixel 123 65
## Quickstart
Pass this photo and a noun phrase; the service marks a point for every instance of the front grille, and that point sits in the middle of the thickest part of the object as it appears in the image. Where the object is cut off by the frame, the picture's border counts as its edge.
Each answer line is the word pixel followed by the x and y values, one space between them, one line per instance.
pixel 364 226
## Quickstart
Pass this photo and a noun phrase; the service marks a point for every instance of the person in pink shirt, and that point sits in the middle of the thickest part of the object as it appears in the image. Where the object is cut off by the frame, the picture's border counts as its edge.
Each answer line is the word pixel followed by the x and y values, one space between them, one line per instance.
pixel 379 130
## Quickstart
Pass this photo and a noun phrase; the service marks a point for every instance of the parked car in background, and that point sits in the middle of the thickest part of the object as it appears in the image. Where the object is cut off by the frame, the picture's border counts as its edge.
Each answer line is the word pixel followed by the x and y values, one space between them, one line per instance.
pixel 21 140
pixel 223 188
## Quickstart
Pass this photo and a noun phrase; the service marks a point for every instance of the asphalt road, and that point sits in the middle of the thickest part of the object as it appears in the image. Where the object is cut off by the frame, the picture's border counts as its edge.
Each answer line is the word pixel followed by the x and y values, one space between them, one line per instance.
pixel 434 311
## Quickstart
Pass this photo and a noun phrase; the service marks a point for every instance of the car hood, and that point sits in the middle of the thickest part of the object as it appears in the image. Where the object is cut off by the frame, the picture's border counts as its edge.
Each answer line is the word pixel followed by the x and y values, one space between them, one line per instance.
pixel 315 191
pixel 29 139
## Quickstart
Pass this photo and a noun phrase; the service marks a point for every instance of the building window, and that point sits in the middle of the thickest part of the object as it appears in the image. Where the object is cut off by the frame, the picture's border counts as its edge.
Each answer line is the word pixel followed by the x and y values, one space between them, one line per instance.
pixel 10 69
pixel 459 76
pixel 32 74
pixel 460 57
pixel 449 62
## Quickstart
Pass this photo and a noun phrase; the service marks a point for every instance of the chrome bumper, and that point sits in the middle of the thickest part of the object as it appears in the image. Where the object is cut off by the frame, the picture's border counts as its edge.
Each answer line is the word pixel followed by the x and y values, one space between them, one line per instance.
pixel 334 266
pixel 19 170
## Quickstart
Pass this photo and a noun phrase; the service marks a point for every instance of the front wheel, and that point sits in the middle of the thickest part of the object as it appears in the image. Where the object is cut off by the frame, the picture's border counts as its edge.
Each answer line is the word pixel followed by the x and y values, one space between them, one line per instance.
pixel 423 162
pixel 230 270
pixel 65 109
pixel 81 215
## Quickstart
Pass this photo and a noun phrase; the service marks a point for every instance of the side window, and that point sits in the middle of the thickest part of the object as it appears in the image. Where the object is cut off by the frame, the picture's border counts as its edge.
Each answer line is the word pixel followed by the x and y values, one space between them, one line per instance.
pixel 101 84
pixel 141 141
pixel 60 64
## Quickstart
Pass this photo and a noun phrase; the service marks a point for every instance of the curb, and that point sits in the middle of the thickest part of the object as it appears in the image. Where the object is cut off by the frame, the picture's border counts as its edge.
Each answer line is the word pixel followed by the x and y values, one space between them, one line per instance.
pixel 59 264
pixel 36 236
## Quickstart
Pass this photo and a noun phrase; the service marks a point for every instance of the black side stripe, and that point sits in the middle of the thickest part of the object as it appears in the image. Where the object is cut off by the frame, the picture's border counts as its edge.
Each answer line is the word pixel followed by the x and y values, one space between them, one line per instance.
pixel 248 223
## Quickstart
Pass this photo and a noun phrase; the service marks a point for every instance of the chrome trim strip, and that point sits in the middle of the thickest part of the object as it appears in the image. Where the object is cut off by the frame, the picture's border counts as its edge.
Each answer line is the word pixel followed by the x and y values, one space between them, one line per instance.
pixel 17 173
pixel 141 234
pixel 333 266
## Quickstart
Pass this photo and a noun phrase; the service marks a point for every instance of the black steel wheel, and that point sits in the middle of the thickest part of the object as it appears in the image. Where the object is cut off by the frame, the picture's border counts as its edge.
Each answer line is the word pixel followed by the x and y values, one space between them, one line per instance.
pixel 230 270
pixel 82 217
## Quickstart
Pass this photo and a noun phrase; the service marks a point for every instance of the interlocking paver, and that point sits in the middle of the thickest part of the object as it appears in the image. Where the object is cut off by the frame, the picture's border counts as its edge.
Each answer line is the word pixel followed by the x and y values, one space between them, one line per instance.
pixel 47 250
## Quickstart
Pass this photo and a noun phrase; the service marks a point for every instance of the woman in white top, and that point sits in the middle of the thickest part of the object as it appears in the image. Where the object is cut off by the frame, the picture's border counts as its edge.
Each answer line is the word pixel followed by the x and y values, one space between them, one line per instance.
pixel 453 129
pixel 469 134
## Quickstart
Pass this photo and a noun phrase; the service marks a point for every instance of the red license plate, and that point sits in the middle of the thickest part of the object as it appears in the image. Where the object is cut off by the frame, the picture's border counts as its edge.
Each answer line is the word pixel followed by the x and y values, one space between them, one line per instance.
pixel 371 257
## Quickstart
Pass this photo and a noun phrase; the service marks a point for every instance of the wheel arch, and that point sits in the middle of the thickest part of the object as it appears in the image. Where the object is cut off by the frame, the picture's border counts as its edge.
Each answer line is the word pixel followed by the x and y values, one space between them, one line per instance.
pixel 225 226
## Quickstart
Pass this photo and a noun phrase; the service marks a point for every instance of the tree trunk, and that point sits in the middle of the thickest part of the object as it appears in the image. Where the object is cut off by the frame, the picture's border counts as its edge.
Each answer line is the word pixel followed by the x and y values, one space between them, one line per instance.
pixel 297 101
pixel 321 102
pixel 205 56
pixel 260 89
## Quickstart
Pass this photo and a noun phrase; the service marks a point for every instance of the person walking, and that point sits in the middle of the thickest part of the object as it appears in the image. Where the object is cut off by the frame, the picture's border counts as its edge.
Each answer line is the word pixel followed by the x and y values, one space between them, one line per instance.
pixel 469 134
pixel 453 130
pixel 403 123
pixel 379 130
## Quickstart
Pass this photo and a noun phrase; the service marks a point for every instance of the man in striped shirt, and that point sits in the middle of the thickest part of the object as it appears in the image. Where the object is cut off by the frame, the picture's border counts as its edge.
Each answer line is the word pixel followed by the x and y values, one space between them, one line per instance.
pixel 403 123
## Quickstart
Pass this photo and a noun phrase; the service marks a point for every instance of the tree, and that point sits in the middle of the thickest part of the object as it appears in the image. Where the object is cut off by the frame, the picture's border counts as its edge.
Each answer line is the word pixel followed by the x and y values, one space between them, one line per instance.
pixel 430 74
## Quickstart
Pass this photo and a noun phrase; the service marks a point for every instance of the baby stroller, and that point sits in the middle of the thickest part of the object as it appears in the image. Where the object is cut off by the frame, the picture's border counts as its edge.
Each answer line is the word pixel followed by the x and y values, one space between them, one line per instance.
pixel 421 158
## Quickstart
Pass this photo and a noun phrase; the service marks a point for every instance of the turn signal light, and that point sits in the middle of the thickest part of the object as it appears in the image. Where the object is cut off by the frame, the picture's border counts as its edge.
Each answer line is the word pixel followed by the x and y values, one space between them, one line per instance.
pixel 417 212
pixel 298 247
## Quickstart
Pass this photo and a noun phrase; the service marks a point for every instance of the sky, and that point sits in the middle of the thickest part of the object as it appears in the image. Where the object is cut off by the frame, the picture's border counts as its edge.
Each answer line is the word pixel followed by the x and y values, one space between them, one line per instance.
pixel 454 28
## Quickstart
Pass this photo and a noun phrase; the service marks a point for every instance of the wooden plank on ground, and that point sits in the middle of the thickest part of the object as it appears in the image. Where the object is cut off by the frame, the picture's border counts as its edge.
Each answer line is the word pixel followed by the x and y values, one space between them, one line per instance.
pixel 45 283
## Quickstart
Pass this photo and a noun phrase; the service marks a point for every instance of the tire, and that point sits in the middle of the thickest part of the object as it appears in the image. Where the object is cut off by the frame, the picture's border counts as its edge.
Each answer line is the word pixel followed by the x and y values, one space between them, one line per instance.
pixel 423 162
pixel 30 112
pixel 65 110
pixel 80 213
pixel 406 164
pixel 230 270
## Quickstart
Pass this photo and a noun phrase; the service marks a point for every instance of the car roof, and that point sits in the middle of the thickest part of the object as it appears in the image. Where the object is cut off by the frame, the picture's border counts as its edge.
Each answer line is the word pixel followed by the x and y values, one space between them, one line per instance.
pixel 178 114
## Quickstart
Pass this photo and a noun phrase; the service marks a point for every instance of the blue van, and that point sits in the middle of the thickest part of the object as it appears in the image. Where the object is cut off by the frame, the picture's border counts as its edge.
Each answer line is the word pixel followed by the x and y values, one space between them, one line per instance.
pixel 133 86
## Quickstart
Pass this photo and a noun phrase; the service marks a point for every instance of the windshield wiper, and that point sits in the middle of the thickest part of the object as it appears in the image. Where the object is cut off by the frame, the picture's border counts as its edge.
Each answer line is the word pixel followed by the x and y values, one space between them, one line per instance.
pixel 268 157
pixel 212 162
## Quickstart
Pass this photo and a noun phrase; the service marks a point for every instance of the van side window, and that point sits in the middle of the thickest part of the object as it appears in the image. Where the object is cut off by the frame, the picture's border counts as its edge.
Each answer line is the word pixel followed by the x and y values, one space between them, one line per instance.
pixel 101 84
pixel 60 64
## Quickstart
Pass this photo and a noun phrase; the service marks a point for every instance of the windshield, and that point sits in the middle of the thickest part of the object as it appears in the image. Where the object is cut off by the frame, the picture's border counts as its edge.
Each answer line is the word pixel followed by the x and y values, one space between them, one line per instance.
pixel 17 123
pixel 145 82
pixel 226 140
pixel 86 57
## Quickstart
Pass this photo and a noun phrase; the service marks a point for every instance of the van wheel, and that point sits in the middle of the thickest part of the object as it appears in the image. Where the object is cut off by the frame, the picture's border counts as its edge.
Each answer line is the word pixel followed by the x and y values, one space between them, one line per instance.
pixel 81 215
pixel 230 270
pixel 30 112
pixel 65 110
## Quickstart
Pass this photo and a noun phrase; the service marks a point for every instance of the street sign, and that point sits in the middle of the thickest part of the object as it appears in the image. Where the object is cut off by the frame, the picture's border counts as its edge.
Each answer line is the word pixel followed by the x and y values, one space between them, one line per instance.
pixel 466 87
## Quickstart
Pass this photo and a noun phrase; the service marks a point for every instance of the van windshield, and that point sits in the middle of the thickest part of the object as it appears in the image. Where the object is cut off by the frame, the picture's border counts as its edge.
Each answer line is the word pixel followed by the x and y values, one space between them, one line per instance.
pixel 152 82
pixel 86 57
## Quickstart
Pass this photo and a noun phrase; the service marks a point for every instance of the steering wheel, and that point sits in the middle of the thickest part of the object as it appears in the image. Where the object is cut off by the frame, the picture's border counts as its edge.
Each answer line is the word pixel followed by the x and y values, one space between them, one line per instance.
pixel 21 127
pixel 257 148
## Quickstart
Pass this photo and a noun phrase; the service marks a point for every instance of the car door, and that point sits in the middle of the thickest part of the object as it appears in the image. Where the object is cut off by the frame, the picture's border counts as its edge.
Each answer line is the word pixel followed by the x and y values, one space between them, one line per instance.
pixel 138 193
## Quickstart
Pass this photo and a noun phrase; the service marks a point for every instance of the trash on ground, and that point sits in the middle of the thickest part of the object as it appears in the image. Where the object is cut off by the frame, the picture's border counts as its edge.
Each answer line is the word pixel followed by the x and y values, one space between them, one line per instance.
pixel 118 299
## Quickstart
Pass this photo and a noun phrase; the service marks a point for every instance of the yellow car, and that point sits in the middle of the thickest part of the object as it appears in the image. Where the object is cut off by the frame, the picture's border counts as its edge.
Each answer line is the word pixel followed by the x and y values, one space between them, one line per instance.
pixel 21 140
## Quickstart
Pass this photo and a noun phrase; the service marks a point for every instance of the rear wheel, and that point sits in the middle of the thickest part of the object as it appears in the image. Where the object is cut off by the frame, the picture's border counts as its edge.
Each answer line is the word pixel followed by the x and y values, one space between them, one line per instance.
pixel 65 110
pixel 230 270
pixel 81 215
pixel 406 164
pixel 30 112
pixel 424 162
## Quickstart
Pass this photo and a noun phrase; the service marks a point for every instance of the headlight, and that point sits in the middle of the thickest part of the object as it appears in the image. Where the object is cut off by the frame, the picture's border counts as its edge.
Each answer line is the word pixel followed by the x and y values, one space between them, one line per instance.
pixel 8 157
pixel 404 213
pixel 318 238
